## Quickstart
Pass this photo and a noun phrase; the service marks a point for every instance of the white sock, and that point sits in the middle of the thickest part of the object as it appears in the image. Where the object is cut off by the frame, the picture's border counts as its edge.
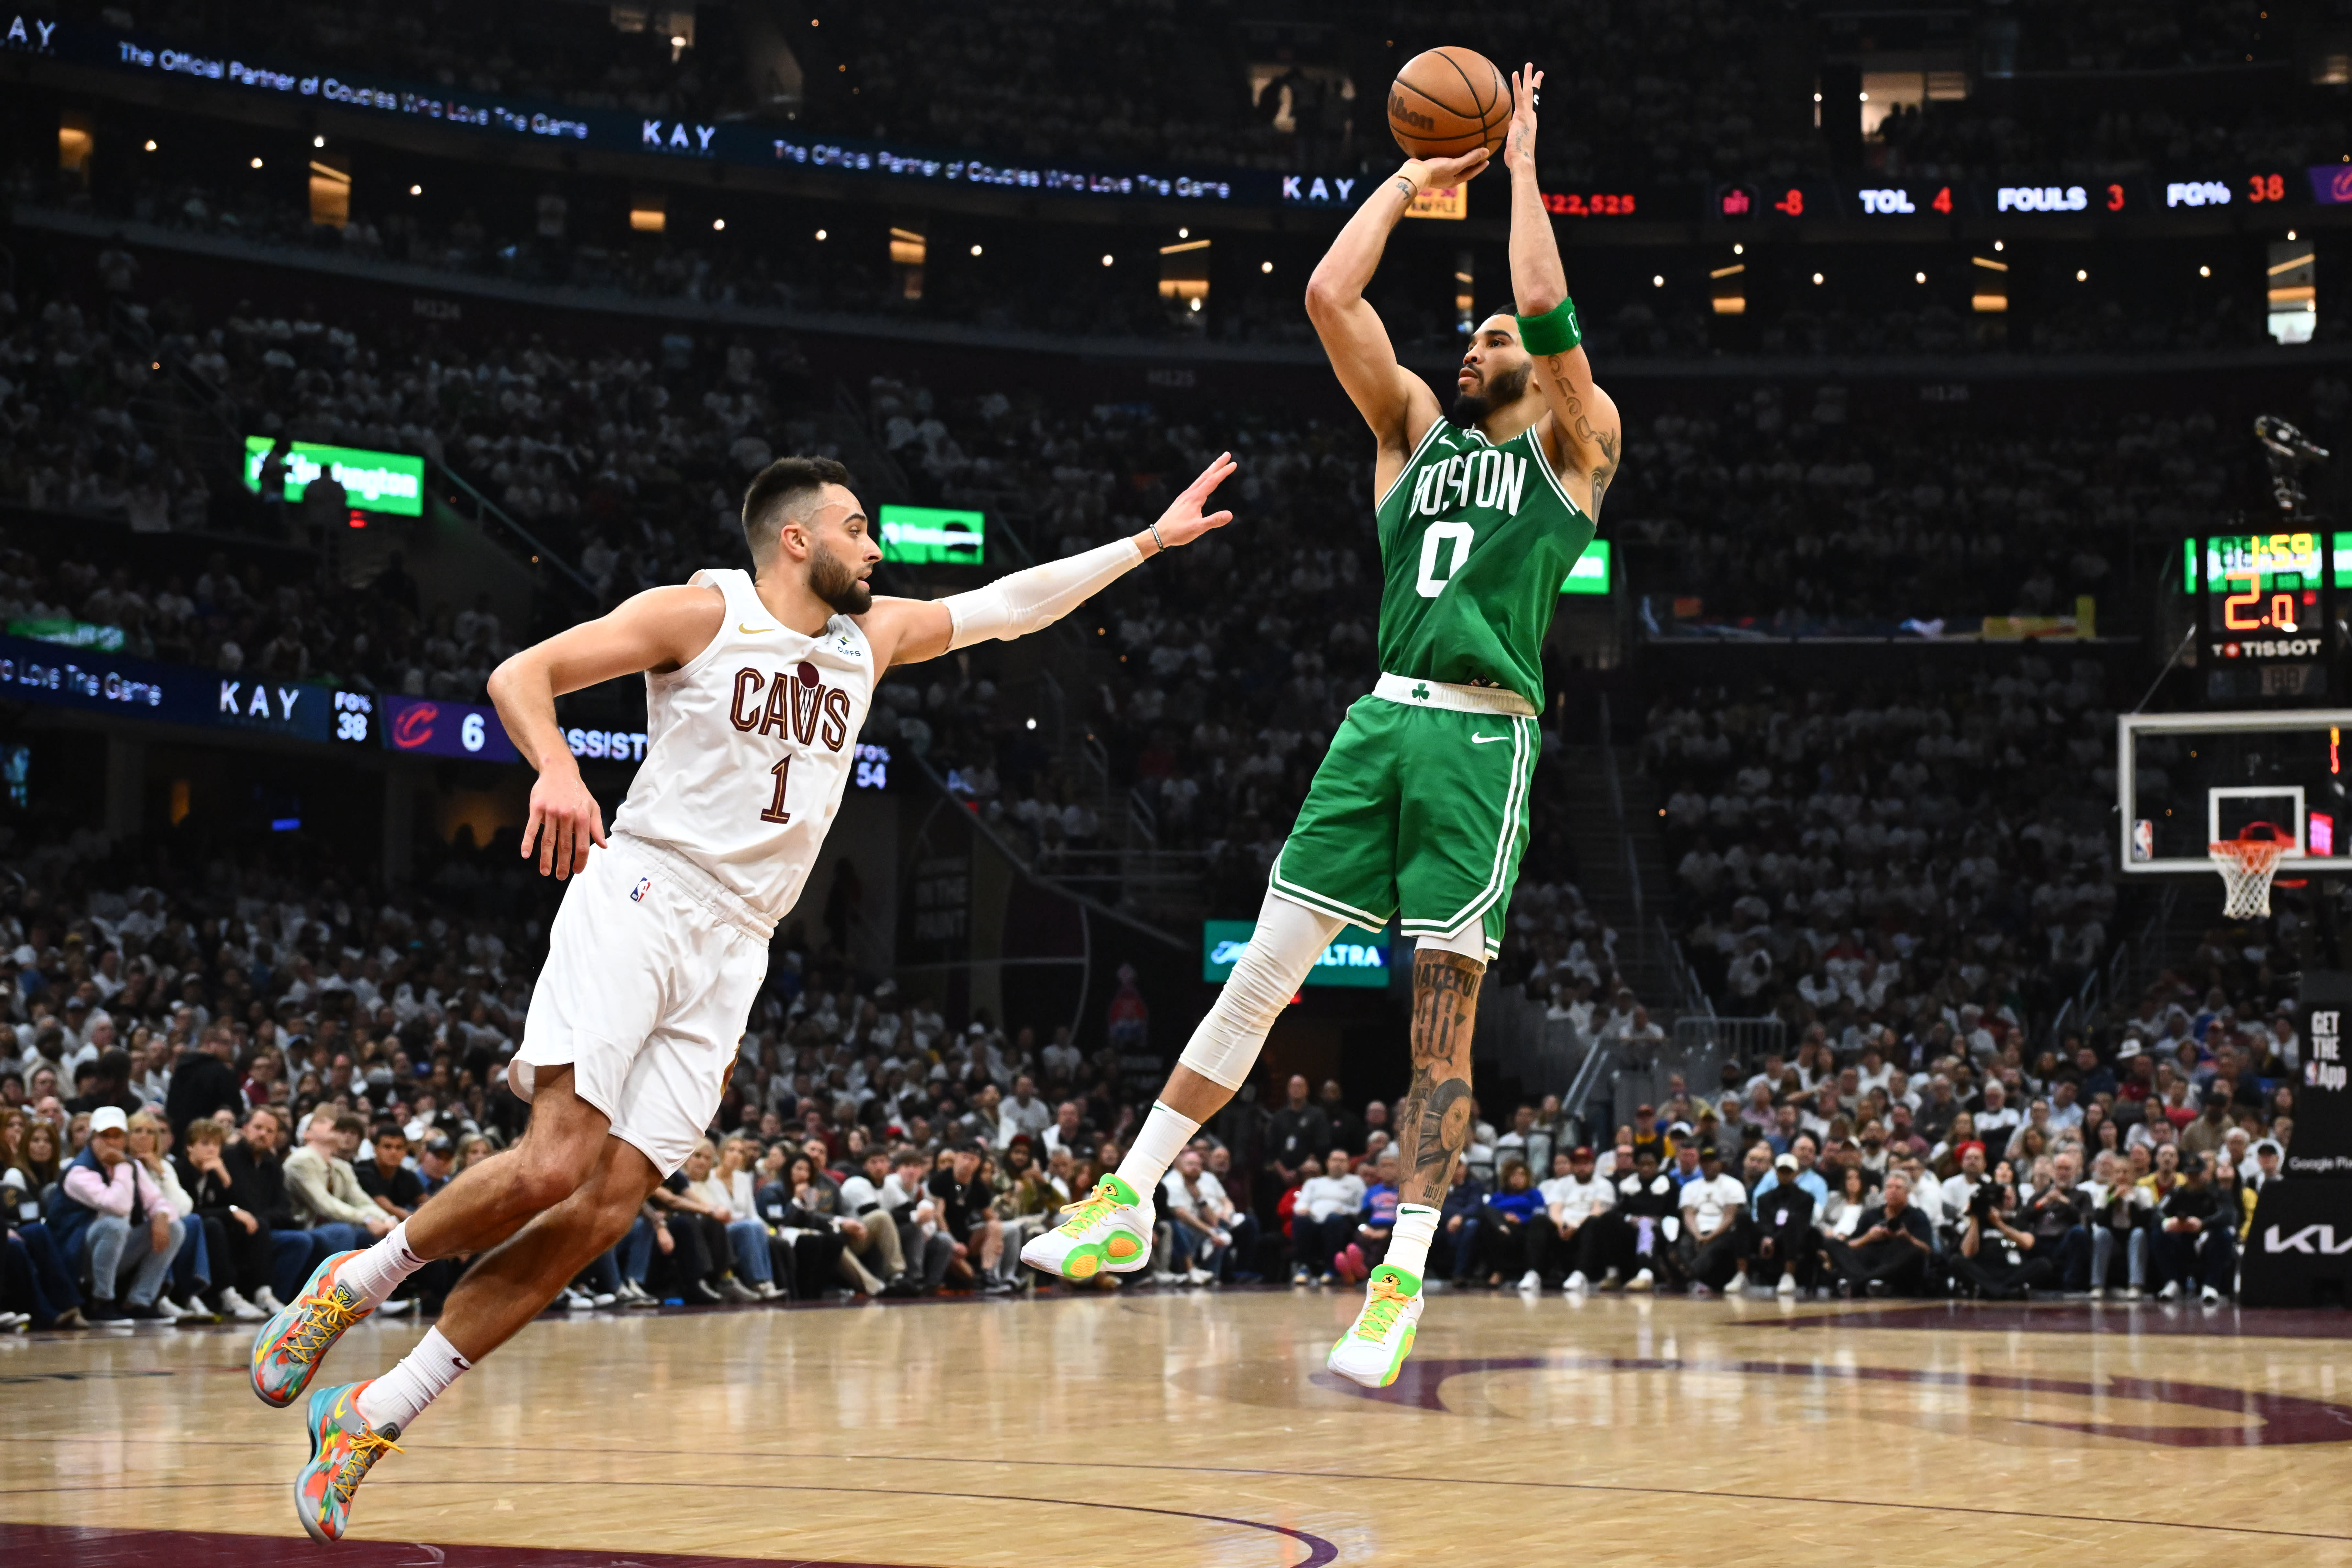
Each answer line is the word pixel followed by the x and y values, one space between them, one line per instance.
pixel 1415 1228
pixel 1161 1138
pixel 377 1272
pixel 392 1401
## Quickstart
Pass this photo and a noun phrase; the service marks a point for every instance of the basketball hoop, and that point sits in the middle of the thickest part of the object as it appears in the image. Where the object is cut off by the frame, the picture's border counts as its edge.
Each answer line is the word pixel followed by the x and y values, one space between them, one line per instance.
pixel 2247 865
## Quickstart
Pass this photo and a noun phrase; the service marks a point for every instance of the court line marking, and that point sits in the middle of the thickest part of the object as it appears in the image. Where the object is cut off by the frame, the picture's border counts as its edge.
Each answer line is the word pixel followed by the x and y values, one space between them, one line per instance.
pixel 1320 1552
pixel 1200 1469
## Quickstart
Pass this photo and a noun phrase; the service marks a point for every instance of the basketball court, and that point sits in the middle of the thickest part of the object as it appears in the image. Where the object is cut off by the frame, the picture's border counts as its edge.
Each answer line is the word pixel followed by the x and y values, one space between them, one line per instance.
pixel 1159 1430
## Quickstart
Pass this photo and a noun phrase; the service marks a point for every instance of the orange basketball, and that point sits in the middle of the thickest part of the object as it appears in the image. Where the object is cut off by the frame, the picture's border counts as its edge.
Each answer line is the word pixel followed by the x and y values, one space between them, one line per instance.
pixel 1447 101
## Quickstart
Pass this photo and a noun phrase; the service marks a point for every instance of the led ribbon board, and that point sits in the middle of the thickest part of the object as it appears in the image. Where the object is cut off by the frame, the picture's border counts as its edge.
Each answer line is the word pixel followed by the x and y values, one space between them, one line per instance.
pixel 388 482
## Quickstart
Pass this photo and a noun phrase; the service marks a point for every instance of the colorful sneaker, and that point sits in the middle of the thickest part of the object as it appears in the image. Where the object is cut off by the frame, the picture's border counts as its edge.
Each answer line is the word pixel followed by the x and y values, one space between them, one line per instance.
pixel 1109 1230
pixel 1375 1349
pixel 342 1448
pixel 287 1349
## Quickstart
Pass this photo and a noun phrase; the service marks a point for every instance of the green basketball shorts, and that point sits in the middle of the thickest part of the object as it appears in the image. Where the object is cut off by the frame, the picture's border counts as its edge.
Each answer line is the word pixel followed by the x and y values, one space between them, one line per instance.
pixel 1420 805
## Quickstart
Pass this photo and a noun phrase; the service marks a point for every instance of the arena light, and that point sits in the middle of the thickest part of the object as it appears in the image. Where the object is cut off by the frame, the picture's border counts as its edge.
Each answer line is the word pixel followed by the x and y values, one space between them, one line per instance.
pixel 416 190
pixel 318 141
pixel 1106 260
pixel 1918 278
pixel 1817 280
pixel 150 145
pixel 718 225
pixel 819 233
pixel 1266 267
pixel 975 250
pixel 2082 276
pixel 256 163
pixel 2205 272
pixel 1657 280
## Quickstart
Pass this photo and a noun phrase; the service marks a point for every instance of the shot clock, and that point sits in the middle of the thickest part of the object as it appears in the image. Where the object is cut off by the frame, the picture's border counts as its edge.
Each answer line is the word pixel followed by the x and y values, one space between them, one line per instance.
pixel 2266 594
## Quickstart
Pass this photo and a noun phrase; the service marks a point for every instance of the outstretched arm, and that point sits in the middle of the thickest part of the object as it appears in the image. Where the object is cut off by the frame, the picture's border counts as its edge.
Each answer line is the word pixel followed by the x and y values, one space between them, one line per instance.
pixel 908 631
pixel 1395 403
pixel 1583 434
pixel 660 628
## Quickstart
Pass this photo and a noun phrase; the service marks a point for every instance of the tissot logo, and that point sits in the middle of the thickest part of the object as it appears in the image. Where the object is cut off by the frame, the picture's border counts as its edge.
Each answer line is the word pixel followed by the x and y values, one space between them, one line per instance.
pixel 676 135
pixel 2317 1240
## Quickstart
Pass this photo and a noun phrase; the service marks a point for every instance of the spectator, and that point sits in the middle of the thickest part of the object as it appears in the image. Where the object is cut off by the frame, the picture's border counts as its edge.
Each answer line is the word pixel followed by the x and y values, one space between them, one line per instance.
pixel 1573 1200
pixel 324 1192
pixel 112 1222
pixel 1785 1253
pixel 204 1081
pixel 242 1252
pixel 150 1141
pixel 1643 1220
pixel 1715 1240
pixel 1330 1207
pixel 256 1182
pixel 1504 1227
pixel 1201 1221
pixel 1298 1132
pixel 1889 1257
pixel 2195 1241
pixel 34 1278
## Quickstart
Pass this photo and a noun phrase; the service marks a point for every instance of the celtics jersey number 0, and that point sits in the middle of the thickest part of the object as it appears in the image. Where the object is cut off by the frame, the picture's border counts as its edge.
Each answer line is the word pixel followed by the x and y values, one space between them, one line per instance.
pixel 1476 537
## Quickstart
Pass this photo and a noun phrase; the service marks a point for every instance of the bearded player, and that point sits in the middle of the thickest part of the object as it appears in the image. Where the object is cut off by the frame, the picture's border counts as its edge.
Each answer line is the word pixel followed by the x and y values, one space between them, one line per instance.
pixel 1421 804
pixel 756 684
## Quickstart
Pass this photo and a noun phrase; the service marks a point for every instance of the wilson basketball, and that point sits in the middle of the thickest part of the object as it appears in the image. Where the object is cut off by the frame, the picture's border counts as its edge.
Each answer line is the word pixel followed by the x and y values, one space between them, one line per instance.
pixel 1447 101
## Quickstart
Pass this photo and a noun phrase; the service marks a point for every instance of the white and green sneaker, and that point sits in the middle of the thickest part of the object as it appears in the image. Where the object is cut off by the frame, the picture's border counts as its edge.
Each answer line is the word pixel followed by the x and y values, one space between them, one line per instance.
pixel 1110 1228
pixel 1373 1349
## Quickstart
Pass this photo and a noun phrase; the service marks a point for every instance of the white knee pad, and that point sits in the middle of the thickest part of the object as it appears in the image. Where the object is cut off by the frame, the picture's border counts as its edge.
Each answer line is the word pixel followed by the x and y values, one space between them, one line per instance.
pixel 1288 940
pixel 1469 939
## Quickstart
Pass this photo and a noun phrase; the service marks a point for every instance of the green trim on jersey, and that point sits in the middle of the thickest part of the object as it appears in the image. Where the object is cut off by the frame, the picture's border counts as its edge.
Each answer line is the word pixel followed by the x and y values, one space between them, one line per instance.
pixel 1473 548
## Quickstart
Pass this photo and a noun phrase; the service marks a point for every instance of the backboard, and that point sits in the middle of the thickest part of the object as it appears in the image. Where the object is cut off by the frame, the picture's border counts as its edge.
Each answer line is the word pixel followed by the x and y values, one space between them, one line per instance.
pixel 2183 780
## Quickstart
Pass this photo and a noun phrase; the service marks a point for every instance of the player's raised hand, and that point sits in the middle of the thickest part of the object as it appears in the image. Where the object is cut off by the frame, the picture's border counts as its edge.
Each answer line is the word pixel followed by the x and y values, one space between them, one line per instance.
pixel 1519 142
pixel 1437 174
pixel 1184 522
pixel 564 821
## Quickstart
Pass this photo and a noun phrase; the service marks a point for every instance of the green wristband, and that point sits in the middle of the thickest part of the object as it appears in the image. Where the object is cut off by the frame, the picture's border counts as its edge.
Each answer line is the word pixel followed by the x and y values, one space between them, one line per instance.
pixel 1553 333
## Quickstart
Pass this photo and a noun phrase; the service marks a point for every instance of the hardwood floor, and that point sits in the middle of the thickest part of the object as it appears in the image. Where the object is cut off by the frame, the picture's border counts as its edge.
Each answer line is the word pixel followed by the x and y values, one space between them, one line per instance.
pixel 1153 1431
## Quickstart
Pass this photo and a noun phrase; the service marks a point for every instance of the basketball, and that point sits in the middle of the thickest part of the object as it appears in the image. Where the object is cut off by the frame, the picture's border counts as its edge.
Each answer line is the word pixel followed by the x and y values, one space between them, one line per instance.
pixel 1447 102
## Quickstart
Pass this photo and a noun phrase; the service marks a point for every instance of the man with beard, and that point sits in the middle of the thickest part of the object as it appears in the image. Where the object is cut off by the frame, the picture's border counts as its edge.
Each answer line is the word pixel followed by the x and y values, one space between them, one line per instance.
pixel 1420 807
pixel 756 684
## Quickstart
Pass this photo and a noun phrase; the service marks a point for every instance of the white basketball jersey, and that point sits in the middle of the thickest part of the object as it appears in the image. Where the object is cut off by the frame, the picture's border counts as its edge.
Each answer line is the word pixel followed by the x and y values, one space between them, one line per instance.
pixel 749 748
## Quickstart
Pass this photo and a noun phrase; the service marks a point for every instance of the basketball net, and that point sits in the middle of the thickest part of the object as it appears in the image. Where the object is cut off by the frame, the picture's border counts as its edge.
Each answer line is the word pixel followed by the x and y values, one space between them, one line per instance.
pixel 2247 866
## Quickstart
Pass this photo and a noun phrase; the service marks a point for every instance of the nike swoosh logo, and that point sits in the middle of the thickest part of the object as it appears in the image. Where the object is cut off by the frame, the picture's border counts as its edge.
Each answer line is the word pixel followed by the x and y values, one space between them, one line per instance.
pixel 753 631
pixel 1482 740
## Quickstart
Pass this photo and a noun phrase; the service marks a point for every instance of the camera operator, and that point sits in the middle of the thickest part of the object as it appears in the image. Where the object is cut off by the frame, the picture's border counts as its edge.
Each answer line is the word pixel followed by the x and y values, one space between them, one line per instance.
pixel 1997 1260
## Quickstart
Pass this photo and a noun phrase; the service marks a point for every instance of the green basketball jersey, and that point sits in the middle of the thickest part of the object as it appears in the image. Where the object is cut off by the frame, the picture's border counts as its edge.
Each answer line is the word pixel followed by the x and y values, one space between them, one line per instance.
pixel 1475 540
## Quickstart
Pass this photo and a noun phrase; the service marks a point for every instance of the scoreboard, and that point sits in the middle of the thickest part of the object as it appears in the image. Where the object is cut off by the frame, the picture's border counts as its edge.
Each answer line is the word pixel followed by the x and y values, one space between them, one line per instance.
pixel 2266 595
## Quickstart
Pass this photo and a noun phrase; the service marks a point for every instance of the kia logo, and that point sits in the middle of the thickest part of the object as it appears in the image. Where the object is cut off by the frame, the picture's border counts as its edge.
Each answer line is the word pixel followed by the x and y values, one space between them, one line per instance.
pixel 2303 1241
pixel 413 727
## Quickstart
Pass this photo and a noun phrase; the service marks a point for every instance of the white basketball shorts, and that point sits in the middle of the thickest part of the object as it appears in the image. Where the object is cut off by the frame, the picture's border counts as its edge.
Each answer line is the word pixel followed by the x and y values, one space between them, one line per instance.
pixel 651 973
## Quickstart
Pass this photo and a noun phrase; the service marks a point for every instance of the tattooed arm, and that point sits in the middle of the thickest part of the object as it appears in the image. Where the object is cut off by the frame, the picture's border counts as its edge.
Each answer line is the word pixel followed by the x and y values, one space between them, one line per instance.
pixel 1583 434
pixel 1433 1119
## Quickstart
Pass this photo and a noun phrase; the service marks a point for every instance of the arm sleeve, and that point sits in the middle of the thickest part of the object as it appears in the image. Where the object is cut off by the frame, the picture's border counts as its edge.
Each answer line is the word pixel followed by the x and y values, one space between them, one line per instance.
pixel 1020 601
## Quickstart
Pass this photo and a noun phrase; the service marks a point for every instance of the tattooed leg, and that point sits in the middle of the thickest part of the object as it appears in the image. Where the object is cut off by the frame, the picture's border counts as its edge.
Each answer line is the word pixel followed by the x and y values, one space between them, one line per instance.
pixel 1432 1121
